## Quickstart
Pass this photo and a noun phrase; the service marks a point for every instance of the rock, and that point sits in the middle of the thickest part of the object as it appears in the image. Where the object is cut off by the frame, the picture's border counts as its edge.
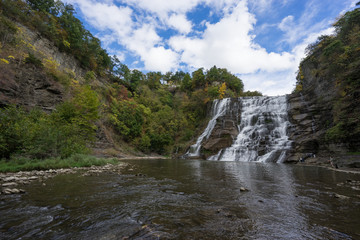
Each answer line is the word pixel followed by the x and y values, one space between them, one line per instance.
pixel 10 179
pixel 33 178
pixel 341 196
pixel 224 131
pixel 9 191
pixel 10 184
pixel 242 189
pixel 15 190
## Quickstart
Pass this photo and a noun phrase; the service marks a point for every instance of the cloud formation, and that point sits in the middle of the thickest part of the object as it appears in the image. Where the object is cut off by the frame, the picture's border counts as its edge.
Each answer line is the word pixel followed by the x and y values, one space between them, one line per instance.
pixel 160 34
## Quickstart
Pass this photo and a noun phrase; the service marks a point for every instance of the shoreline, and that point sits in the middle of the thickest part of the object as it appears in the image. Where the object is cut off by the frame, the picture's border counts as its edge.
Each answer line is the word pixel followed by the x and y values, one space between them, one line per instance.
pixel 138 158
pixel 329 167
pixel 11 182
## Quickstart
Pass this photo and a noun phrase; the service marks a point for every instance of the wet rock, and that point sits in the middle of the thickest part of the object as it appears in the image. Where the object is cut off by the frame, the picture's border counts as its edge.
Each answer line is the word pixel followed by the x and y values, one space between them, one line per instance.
pixel 242 189
pixel 341 196
pixel 225 130
pixel 10 179
pixel 10 184
pixel 9 191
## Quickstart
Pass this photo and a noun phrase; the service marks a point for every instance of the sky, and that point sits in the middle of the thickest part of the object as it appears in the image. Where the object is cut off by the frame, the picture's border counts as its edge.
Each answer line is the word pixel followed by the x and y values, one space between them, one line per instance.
pixel 260 41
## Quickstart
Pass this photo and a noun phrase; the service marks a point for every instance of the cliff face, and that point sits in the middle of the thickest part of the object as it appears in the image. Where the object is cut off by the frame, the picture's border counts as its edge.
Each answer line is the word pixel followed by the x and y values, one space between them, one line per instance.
pixel 29 85
pixel 311 113
pixel 26 85
pixel 225 130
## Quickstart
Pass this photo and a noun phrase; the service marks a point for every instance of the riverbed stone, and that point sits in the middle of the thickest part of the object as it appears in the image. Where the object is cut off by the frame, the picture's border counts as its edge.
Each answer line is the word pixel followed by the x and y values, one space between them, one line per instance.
pixel 342 197
pixel 10 179
pixel 10 184
pixel 9 191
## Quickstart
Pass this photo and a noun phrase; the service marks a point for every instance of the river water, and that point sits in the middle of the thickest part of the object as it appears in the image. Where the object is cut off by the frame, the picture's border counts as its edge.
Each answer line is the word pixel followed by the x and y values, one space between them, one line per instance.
pixel 188 199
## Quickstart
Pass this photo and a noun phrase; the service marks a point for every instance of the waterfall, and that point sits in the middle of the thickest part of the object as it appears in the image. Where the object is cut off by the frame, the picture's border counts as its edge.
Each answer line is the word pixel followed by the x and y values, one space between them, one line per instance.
pixel 218 109
pixel 262 132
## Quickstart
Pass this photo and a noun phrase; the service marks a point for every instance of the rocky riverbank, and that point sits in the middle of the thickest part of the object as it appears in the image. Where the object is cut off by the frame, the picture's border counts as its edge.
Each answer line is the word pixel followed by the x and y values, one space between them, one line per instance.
pixel 345 163
pixel 11 183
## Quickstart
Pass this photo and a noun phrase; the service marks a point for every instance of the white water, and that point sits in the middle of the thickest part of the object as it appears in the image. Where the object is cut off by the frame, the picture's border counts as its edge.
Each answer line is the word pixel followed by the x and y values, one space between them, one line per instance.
pixel 262 132
pixel 218 109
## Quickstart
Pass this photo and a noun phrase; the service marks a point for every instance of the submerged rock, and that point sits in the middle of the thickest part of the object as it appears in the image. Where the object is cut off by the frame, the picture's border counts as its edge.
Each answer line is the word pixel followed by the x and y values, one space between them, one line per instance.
pixel 242 189
pixel 341 196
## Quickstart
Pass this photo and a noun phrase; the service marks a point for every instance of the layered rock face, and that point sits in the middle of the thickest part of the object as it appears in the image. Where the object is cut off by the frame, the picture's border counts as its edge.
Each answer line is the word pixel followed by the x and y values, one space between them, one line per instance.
pixel 311 115
pixel 26 85
pixel 225 130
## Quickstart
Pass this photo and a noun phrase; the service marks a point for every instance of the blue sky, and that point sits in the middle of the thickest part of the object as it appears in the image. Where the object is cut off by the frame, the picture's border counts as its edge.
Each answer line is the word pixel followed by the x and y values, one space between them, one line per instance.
pixel 261 41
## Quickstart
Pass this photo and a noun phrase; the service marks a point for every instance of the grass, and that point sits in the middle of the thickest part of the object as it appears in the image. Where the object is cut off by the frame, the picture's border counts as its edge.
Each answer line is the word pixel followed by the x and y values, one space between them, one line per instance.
pixel 77 160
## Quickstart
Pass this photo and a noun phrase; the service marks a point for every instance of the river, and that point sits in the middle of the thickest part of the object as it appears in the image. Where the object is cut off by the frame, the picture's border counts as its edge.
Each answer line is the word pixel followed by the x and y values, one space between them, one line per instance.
pixel 188 199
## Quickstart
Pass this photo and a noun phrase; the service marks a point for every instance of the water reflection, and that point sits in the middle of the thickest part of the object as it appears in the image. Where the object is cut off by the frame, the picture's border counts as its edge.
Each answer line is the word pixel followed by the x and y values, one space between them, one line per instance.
pixel 187 199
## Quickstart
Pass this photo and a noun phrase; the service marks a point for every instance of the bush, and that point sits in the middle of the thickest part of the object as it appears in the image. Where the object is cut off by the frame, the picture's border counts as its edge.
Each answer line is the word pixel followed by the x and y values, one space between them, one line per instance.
pixel 128 118
pixel 31 59
pixel 62 133
pixel 7 31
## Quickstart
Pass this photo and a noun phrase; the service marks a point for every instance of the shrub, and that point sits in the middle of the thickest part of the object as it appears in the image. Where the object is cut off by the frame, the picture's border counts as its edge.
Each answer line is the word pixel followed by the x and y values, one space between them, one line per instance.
pixel 32 59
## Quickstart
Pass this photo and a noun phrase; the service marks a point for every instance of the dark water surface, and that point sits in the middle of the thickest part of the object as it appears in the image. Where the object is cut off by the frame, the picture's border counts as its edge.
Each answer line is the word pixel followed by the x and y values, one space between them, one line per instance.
pixel 188 199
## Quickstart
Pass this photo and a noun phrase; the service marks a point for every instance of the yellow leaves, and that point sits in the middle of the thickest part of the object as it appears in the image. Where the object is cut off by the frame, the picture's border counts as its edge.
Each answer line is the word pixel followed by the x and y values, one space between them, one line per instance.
pixel 75 82
pixel 51 64
pixel 66 43
pixel 3 60
pixel 222 90
pixel 298 87
pixel 20 30
pixel 12 57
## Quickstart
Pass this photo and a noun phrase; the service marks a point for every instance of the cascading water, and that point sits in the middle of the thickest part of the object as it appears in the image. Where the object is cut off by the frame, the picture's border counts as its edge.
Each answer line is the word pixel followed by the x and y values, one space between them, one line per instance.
pixel 218 109
pixel 262 132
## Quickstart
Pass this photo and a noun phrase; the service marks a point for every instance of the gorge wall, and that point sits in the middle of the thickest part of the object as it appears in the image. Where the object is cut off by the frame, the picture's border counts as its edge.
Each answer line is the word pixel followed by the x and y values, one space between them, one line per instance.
pixel 312 114
pixel 250 129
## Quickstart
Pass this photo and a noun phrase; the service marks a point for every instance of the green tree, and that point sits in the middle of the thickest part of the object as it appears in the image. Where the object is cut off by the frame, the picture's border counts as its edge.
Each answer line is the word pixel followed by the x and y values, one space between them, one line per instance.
pixel 213 75
pixel 198 78
pixel 186 84
pixel 128 118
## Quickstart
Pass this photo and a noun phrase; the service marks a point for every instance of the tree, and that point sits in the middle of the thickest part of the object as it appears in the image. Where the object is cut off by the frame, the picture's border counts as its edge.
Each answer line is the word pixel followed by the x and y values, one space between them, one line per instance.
pixel 186 84
pixel 153 79
pixel 43 5
pixel 222 90
pixel 135 78
pixel 213 75
pixel 128 117
pixel 198 78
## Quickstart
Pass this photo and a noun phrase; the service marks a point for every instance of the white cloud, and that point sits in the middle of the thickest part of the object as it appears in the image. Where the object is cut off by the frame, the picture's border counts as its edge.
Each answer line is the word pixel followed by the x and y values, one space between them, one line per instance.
pixel 287 23
pixel 163 7
pixel 160 59
pixel 229 44
pixel 106 16
pixel 180 23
